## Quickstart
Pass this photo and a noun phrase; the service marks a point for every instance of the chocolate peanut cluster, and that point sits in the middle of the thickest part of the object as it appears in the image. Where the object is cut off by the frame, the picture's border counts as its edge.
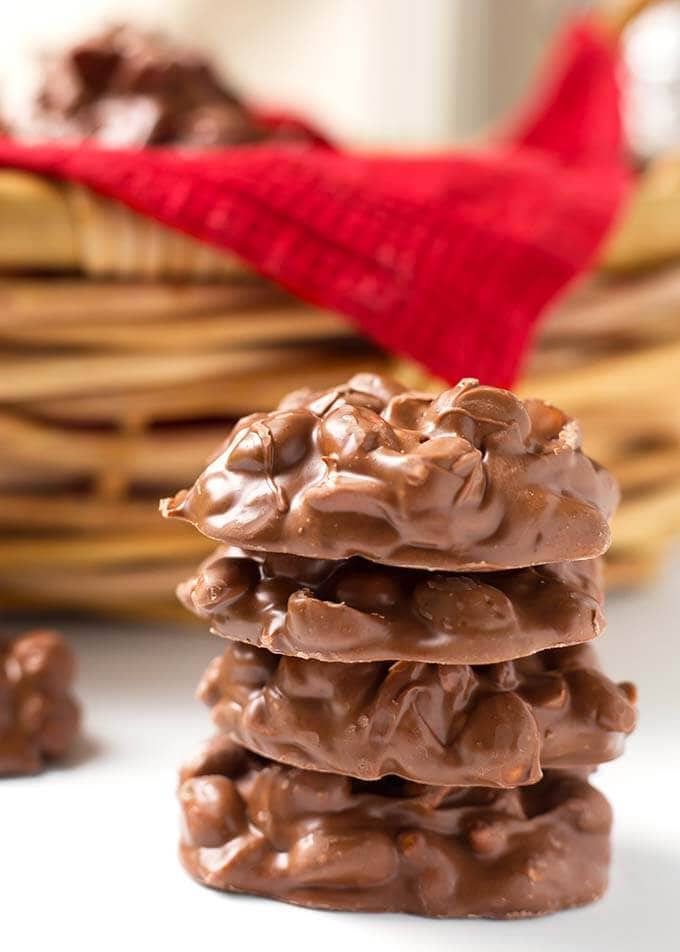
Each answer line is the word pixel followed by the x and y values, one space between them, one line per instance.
pixel 471 480
pixel 407 705
pixel 125 87
pixel 355 610
pixel 327 841
pixel 38 716
pixel 455 725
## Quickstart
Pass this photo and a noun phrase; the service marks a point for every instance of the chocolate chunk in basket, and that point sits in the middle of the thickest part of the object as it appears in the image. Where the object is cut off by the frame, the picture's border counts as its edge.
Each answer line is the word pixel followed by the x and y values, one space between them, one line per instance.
pixel 125 87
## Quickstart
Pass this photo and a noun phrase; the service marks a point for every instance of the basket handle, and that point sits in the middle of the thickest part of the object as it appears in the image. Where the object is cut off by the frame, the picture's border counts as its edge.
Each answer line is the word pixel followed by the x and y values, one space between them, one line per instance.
pixel 615 15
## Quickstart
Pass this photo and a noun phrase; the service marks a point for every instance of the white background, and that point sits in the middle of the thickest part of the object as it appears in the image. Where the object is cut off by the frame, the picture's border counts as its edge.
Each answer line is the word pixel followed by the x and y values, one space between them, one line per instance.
pixel 88 852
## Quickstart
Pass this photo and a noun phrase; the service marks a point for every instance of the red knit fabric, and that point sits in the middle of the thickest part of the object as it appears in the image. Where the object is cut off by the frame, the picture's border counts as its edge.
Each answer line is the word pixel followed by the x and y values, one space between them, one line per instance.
pixel 448 259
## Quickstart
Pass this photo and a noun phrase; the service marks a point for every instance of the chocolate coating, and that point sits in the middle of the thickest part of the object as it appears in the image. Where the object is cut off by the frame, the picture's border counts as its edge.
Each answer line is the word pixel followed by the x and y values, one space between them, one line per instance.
pixel 470 480
pixel 355 610
pixel 38 717
pixel 125 87
pixel 454 725
pixel 326 841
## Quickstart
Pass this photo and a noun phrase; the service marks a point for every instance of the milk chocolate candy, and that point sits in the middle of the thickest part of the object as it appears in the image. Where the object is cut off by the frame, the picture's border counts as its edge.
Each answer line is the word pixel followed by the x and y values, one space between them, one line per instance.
pixel 471 480
pixel 326 841
pixel 354 610
pixel 38 717
pixel 125 87
pixel 453 725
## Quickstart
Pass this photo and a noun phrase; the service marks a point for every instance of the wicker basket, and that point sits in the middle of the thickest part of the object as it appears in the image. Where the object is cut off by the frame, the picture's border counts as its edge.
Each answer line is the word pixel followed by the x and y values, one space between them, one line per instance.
pixel 112 394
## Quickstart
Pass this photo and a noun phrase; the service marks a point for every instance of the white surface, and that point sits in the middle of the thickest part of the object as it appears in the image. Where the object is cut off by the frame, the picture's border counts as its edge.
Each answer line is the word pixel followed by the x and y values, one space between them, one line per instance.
pixel 87 853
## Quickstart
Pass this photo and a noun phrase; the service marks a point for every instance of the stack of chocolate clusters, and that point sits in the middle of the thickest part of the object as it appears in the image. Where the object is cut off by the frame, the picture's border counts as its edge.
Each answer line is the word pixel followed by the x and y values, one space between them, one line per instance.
pixel 408 712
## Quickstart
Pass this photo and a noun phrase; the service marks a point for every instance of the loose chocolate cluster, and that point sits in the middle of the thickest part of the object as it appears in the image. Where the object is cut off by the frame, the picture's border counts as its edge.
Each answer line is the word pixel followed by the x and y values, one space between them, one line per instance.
pixel 38 716
pixel 407 706
pixel 129 88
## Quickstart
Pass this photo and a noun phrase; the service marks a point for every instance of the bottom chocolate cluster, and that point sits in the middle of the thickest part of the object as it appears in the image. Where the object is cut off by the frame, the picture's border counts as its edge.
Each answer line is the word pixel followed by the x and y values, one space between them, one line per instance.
pixel 332 842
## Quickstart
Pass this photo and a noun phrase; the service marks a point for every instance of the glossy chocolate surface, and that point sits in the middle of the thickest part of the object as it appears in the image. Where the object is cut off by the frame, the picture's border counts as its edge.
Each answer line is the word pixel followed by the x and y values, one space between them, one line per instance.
pixel 488 725
pixel 355 610
pixel 472 479
pixel 38 716
pixel 322 840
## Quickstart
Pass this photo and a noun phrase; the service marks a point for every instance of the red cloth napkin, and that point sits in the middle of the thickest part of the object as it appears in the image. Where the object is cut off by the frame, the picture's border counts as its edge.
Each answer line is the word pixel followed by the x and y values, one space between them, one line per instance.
pixel 448 259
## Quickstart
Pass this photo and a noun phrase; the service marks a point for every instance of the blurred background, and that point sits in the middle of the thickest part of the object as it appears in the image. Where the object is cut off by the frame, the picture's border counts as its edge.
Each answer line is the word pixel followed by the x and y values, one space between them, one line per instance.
pixel 384 73
pixel 126 353
pixel 100 417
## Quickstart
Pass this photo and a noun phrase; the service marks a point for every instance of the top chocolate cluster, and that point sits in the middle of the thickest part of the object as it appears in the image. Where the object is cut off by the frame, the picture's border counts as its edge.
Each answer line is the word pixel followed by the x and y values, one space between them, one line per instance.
pixel 124 87
pixel 473 479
